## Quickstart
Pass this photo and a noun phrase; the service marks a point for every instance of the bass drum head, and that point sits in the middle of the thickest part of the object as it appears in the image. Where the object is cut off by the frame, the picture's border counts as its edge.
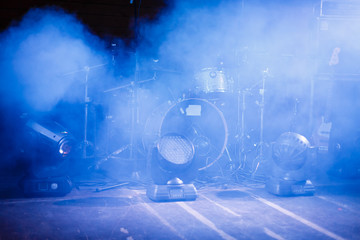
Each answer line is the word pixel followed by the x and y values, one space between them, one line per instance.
pixel 198 120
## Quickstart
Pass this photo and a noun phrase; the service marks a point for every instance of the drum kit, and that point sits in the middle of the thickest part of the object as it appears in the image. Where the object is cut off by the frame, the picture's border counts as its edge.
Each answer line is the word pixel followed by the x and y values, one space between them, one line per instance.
pixel 212 114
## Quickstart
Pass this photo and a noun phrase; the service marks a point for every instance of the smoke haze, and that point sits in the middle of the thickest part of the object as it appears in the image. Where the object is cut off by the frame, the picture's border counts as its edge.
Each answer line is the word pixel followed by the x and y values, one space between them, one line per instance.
pixel 40 51
pixel 45 56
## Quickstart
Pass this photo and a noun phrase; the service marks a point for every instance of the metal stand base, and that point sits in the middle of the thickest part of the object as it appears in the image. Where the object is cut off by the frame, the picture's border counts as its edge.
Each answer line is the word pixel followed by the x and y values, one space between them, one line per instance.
pixel 172 192
pixel 283 187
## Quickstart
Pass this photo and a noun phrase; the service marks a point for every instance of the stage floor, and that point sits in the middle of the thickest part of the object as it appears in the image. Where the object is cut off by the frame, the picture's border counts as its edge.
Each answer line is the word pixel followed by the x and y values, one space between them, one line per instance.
pixel 221 211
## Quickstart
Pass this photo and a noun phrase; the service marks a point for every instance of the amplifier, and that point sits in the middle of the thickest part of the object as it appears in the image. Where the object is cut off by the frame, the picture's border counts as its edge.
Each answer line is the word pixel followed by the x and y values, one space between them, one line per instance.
pixel 343 34
pixel 340 8
pixel 337 77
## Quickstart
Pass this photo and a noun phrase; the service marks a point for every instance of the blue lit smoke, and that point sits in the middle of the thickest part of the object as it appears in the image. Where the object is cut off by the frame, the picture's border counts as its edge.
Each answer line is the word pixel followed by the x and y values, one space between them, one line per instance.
pixel 43 66
pixel 244 38
pixel 197 35
pixel 44 58
pixel 38 53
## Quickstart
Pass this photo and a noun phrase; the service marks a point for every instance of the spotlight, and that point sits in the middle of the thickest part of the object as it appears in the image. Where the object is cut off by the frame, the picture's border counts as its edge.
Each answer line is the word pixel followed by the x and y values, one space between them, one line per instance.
pixel 290 152
pixel 172 169
pixel 52 133
pixel 176 152
pixel 50 149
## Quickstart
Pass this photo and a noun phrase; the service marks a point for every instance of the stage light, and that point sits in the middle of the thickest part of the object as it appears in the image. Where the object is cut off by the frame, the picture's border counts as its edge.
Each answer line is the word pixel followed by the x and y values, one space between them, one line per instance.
pixel 53 135
pixel 288 177
pixel 49 149
pixel 172 169
pixel 199 120
pixel 65 147
pixel 176 151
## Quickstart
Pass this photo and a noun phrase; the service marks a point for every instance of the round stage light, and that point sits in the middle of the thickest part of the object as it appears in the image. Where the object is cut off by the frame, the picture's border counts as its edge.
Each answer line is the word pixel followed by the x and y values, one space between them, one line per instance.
pixel 290 151
pixel 173 169
pixel 175 152
pixel 288 176
pixel 65 146
pixel 176 149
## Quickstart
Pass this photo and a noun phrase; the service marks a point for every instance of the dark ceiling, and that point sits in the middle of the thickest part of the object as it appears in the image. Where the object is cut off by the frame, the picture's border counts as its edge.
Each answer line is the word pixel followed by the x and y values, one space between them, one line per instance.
pixel 105 18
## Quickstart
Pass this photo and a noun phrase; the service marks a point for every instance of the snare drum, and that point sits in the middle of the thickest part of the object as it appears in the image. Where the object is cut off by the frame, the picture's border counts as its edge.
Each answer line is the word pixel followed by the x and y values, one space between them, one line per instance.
pixel 211 80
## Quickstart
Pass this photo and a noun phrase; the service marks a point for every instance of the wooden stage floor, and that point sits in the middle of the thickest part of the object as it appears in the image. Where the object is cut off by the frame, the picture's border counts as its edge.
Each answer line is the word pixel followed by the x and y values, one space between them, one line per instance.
pixel 221 211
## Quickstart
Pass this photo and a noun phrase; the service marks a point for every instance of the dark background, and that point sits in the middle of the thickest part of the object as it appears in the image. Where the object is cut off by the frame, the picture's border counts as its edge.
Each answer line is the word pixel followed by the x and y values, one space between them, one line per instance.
pixel 106 18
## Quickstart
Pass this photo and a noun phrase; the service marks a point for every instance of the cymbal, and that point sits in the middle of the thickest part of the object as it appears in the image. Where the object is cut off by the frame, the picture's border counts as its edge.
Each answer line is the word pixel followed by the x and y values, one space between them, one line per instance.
pixel 130 84
pixel 166 70
pixel 85 69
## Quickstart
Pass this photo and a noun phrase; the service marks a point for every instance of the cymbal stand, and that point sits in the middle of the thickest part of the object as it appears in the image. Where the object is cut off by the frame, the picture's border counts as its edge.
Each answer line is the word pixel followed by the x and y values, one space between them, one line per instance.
pixel 134 108
pixel 294 115
pixel 134 118
pixel 260 157
pixel 86 143
pixel 86 111
pixel 241 124
pixel 85 69
pixel 134 96
pixel 241 115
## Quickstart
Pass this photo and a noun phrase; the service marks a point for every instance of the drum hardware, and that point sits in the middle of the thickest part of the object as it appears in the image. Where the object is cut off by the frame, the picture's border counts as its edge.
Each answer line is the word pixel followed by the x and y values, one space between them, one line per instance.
pixel 166 70
pixel 260 157
pixel 241 99
pixel 85 69
pixel 134 120
pixel 86 143
pixel 294 115
pixel 134 95
pixel 131 84
pixel 134 113
pixel 242 136
pixel 133 100
pixel 86 110
pixel 203 143
pixel 212 80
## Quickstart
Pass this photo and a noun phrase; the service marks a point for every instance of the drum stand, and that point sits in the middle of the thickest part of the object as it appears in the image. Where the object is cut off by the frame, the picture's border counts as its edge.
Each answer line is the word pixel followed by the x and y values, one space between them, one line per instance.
pixel 134 108
pixel 86 112
pixel 86 69
pixel 260 156
pixel 242 101
pixel 241 115
pixel 134 120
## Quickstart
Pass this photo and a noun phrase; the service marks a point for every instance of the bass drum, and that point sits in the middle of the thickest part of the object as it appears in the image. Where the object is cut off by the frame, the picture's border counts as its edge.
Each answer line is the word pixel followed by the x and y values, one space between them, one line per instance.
pixel 197 119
